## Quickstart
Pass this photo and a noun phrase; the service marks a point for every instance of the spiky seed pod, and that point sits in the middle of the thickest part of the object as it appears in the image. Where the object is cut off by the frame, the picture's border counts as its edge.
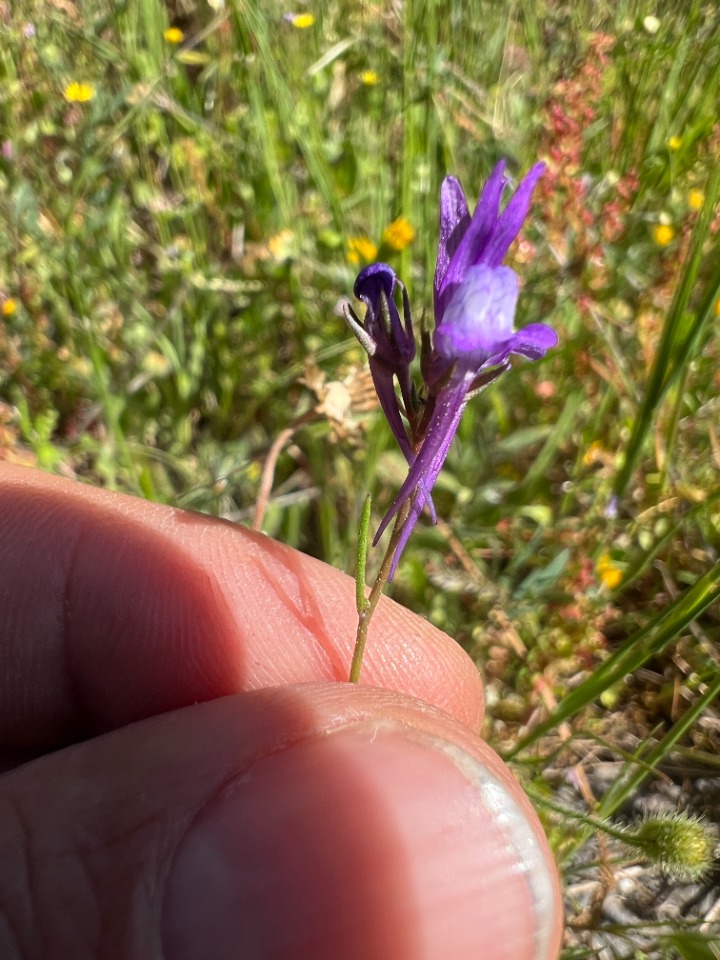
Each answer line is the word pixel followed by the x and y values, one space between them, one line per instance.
pixel 682 845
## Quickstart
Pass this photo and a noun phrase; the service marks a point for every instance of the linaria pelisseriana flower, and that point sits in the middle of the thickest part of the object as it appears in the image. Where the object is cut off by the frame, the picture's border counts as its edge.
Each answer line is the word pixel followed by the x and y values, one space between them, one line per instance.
pixel 474 305
pixel 389 343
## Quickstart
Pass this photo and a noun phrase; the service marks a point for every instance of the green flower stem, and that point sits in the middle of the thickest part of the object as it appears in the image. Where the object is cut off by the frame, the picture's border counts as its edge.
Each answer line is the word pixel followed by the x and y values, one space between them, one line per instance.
pixel 603 825
pixel 366 605
pixel 362 552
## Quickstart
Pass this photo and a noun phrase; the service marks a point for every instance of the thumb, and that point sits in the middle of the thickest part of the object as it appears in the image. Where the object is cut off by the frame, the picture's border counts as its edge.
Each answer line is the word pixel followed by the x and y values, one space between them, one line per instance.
pixel 309 822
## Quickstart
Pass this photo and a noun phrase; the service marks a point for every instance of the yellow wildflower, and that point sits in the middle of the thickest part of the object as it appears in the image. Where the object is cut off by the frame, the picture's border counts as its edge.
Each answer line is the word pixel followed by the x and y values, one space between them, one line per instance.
pixel 717 307
pixel 361 249
pixel 282 245
pixel 696 198
pixel 399 234
pixel 174 35
pixel 156 364
pixel 608 572
pixel 9 307
pixel 663 234
pixel 594 454
pixel 254 471
pixel 301 20
pixel 79 92
pixel 674 144
pixel 370 78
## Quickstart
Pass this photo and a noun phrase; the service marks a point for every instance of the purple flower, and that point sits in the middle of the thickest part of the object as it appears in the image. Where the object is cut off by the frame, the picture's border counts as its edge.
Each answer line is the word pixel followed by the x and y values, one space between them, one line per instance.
pixel 389 345
pixel 475 299
pixel 475 296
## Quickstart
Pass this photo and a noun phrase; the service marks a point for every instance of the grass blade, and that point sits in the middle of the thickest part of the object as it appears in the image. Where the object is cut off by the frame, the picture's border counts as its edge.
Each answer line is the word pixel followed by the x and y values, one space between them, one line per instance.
pixel 637 650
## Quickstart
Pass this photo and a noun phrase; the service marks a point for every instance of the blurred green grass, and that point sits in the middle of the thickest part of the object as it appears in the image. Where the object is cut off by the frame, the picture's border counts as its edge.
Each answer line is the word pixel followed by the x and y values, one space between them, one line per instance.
pixel 176 246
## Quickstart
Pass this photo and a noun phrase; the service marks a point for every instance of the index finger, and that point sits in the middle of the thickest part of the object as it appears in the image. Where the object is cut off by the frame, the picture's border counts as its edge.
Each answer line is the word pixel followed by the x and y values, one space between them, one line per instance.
pixel 113 609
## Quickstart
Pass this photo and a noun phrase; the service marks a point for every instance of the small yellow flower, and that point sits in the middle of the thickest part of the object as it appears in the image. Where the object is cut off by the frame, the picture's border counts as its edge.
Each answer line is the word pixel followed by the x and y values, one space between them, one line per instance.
pixel 156 364
pixel 609 574
pixel 79 92
pixel 696 198
pixel 9 307
pixel 399 234
pixel 674 144
pixel 174 35
pixel 254 471
pixel 663 234
pixel 302 20
pixel 361 249
pixel 370 78
pixel 282 245
pixel 594 454
pixel 717 307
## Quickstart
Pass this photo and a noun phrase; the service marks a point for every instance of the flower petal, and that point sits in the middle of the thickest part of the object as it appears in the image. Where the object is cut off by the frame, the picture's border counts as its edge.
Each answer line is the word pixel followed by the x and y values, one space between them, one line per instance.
pixel 372 279
pixel 375 286
pixel 385 390
pixel 441 432
pixel 534 341
pixel 454 221
pixel 427 464
pixel 408 527
pixel 511 219
pixel 479 320
pixel 476 237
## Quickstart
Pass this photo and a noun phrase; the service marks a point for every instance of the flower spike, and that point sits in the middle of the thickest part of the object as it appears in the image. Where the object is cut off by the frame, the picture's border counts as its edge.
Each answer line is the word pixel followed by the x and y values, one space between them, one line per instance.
pixel 475 299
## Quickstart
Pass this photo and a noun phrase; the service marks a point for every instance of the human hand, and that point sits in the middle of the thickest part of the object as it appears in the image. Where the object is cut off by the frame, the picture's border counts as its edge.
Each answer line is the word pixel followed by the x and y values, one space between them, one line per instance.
pixel 187 776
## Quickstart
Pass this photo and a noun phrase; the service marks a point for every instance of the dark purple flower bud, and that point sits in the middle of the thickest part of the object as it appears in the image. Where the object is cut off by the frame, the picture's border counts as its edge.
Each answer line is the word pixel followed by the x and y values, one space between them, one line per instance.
pixel 375 286
pixel 390 345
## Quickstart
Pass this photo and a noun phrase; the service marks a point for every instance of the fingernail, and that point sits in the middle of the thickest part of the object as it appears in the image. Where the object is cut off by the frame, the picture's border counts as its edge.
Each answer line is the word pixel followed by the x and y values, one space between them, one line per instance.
pixel 373 842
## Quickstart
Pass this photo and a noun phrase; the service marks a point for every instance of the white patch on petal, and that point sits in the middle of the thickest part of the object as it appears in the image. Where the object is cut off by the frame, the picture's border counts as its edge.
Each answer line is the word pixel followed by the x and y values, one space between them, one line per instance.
pixel 479 320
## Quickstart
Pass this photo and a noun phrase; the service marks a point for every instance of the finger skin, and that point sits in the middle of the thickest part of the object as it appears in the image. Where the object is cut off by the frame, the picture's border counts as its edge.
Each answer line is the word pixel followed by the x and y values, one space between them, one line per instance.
pixel 113 609
pixel 94 873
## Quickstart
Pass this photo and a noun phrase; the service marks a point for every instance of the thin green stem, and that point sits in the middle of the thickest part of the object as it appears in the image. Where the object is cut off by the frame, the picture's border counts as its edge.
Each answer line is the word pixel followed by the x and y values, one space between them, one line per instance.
pixel 361 563
pixel 366 609
pixel 589 821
